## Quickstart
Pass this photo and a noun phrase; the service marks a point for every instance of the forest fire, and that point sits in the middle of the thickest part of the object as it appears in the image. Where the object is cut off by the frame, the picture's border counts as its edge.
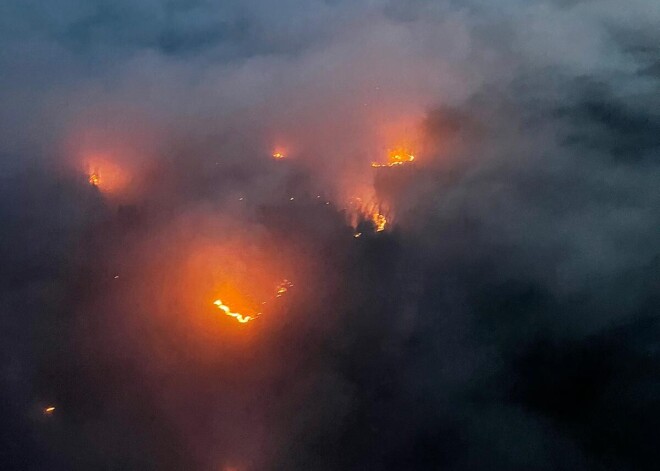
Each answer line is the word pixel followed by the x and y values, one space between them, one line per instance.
pixel 49 410
pixel 107 175
pixel 243 319
pixel 279 155
pixel 380 221
pixel 396 157
pixel 280 290
pixel 375 212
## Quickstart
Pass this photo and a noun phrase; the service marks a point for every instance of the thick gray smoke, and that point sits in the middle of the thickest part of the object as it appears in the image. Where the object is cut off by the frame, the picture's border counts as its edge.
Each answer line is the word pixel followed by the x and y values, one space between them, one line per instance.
pixel 506 319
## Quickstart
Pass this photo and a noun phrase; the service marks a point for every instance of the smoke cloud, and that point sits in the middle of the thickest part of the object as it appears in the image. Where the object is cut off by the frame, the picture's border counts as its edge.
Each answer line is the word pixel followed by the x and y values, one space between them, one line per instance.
pixel 506 318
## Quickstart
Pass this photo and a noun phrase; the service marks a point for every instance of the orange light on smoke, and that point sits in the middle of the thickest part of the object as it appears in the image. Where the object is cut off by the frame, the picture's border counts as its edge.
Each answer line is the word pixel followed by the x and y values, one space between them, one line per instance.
pixel 280 152
pixel 106 175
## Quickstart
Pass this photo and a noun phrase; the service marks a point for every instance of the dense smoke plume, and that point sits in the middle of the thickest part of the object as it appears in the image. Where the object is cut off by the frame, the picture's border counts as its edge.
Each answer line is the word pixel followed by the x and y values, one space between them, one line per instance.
pixel 505 318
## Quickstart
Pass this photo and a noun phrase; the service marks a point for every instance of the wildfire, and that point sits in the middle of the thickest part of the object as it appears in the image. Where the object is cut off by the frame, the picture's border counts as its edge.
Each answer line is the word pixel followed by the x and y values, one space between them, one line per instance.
pixel 396 157
pixel 379 221
pixel 281 289
pixel 278 155
pixel 49 410
pixel 106 174
pixel 238 316
pixel 369 210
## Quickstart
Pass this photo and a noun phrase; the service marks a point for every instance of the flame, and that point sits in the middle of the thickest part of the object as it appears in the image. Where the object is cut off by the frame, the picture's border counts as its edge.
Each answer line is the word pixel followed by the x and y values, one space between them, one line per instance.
pixel 380 221
pixel 49 410
pixel 396 157
pixel 368 209
pixel 239 317
pixel 107 175
pixel 281 289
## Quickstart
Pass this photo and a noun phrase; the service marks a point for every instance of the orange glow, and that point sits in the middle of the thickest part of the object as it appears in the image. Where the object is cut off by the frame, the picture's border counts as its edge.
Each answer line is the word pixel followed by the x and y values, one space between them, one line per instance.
pixel 396 157
pixel 106 175
pixel 192 261
pixel 49 410
pixel 280 151
pixel 380 222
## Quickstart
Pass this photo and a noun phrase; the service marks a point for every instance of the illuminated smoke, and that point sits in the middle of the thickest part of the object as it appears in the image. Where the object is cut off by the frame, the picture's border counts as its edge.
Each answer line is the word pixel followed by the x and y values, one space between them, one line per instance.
pixel 502 250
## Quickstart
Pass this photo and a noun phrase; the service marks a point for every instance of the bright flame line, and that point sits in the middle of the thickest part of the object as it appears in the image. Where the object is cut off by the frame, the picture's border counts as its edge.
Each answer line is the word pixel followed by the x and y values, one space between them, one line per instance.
pixel 280 290
pixel 239 317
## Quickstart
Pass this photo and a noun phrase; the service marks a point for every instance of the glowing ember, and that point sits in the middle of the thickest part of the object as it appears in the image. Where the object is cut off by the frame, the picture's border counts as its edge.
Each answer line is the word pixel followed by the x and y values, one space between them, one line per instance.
pixel 278 156
pixel 239 317
pixel 282 288
pixel 94 179
pixel 380 222
pixel 395 158
pixel 49 410
pixel 357 235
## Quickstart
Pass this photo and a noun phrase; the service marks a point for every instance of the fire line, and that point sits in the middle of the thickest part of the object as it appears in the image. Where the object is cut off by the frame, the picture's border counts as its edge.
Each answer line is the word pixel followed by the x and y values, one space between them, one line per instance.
pixel 239 317
pixel 280 290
